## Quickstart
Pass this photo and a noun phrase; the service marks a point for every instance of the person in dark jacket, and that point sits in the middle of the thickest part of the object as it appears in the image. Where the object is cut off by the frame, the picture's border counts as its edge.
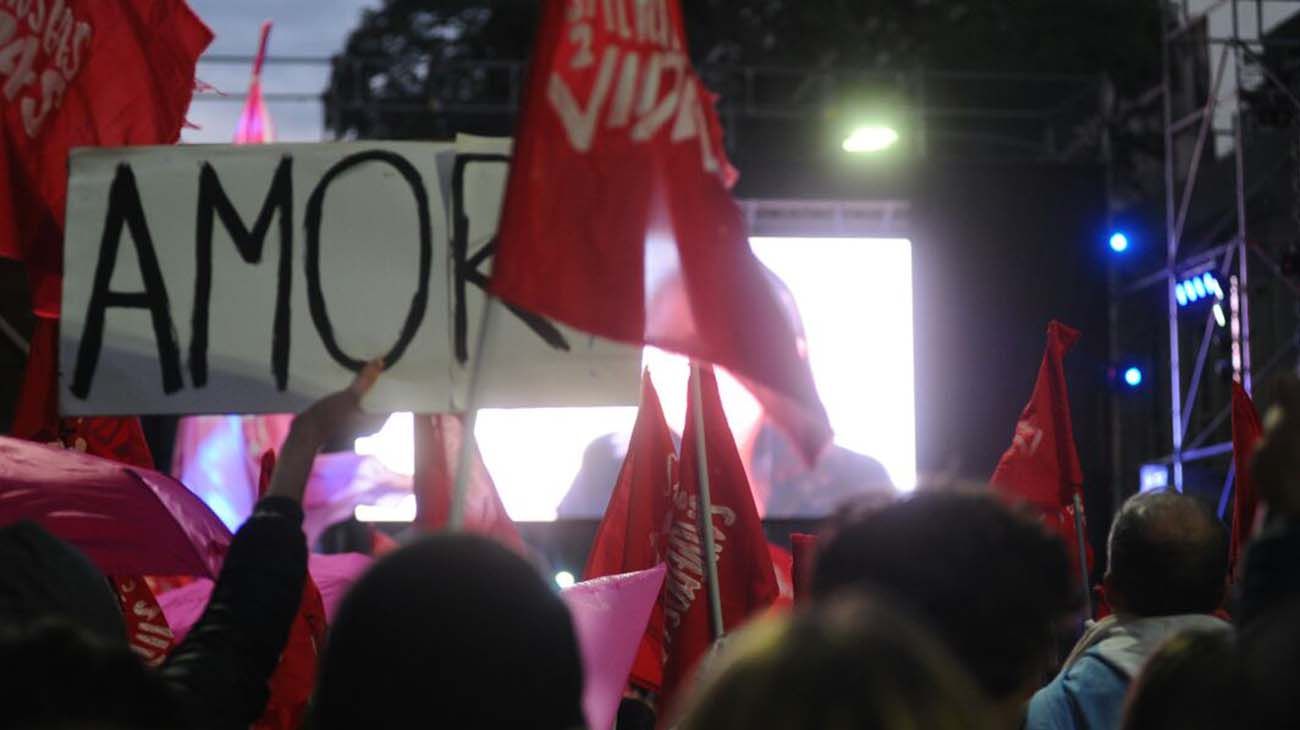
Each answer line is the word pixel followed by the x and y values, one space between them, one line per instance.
pixel 217 677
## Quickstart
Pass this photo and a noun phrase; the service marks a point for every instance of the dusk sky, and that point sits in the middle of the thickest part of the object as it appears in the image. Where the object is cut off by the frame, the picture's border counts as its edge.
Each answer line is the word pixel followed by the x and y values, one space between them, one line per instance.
pixel 316 28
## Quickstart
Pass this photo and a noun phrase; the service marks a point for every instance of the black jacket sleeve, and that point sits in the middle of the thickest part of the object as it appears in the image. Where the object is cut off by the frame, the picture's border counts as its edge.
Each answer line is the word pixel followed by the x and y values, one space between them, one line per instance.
pixel 1272 573
pixel 221 669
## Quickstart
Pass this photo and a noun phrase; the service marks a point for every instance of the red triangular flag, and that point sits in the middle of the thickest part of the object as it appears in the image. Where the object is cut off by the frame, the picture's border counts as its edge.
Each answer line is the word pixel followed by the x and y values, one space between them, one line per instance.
pixel 255 125
pixel 87 73
pixel 618 218
pixel 630 536
pixel 746 580
pixel 438 442
pixel 1041 467
pixel 1246 431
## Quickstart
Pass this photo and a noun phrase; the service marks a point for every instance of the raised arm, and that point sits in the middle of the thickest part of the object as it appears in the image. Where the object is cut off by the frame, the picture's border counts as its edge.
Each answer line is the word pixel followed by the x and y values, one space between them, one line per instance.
pixel 222 668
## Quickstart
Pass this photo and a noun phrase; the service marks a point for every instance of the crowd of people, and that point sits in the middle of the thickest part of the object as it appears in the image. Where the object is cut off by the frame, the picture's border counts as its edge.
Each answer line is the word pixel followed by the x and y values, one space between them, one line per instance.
pixel 947 609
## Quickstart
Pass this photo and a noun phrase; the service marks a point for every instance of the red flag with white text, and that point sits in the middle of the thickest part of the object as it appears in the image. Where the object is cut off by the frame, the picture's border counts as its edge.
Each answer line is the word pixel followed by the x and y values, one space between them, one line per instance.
pixel 438 442
pixel 147 631
pixel 618 217
pixel 631 534
pixel 746 579
pixel 81 73
pixel 1246 431
pixel 1041 467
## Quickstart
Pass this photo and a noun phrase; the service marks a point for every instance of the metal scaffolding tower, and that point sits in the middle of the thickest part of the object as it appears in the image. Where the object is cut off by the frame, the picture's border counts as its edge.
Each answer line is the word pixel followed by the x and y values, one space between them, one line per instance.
pixel 1192 135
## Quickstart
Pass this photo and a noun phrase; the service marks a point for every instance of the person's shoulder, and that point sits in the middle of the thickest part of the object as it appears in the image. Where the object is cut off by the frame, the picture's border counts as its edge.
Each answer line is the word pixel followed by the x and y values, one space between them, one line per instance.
pixel 1051 707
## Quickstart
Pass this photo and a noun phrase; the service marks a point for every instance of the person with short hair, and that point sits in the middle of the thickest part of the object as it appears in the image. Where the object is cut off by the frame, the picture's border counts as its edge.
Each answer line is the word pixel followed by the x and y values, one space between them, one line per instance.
pixel 852 662
pixel 991 583
pixel 454 630
pixel 1167 573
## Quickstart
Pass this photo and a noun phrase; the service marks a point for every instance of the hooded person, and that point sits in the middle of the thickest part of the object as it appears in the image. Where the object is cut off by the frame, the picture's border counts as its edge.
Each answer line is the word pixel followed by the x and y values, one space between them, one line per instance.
pixel 455 627
pixel 42 578
pixel 1167 574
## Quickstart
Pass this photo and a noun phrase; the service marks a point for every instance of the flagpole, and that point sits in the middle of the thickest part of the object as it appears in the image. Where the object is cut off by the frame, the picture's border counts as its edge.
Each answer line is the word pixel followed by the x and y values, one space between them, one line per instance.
pixel 1083 553
pixel 706 509
pixel 460 489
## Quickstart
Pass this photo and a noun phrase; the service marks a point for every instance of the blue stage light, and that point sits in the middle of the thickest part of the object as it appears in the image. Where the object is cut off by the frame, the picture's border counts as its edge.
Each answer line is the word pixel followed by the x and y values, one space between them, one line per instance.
pixel 1133 377
pixel 1118 242
pixel 1199 286
pixel 1180 294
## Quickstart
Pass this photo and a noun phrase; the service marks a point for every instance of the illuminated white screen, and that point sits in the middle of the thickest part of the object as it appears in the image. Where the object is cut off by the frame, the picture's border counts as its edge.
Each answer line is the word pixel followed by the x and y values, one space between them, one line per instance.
pixel 854 297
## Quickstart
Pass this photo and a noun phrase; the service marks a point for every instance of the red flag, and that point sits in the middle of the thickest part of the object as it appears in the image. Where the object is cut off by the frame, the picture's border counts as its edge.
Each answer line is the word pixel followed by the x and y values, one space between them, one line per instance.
pixel 36 415
pixel 783 569
pixel 1246 430
pixel 630 535
pixel 438 442
pixel 1041 467
pixel 255 125
pixel 147 631
pixel 802 548
pixel 266 467
pixel 291 684
pixel 618 218
pixel 75 73
pixel 746 580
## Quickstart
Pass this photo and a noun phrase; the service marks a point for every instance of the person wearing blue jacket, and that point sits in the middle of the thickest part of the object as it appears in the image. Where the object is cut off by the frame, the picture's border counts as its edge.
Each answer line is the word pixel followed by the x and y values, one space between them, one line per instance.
pixel 1167 573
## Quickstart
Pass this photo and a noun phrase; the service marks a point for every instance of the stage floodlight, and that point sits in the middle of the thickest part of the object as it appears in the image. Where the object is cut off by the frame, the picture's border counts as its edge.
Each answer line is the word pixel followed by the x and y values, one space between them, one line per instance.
pixel 870 138
pixel 565 579
pixel 1212 284
pixel 1133 376
pixel 1180 294
pixel 1118 242
pixel 1199 286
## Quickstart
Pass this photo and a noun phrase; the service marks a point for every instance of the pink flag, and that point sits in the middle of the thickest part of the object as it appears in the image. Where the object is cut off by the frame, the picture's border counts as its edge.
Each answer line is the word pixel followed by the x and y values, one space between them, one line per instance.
pixel 255 122
pixel 438 441
pixel 128 520
pixel 332 574
pixel 609 616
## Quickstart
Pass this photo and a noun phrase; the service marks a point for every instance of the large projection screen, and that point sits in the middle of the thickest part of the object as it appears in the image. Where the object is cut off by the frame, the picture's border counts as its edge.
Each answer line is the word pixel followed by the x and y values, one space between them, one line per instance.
pixel 854 296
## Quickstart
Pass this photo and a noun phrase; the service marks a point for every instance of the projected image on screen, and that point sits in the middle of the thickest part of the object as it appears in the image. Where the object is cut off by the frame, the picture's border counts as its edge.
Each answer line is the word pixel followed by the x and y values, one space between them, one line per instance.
pixel 853 298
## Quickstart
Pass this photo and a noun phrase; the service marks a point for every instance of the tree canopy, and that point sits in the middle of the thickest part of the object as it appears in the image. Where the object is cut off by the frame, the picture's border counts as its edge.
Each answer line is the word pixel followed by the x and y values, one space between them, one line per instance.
pixel 428 68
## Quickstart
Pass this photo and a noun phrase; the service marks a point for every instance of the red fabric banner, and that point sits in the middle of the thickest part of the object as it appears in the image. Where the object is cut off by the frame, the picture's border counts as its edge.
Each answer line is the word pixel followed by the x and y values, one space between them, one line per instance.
pixel 75 73
pixel 1246 431
pixel 630 536
pixel 1041 467
pixel 618 217
pixel 146 627
pixel 438 442
pixel 746 579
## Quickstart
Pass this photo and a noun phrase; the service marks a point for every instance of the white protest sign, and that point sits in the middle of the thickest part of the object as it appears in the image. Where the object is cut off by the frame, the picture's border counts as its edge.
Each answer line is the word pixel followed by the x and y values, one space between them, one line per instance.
pixel 254 279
